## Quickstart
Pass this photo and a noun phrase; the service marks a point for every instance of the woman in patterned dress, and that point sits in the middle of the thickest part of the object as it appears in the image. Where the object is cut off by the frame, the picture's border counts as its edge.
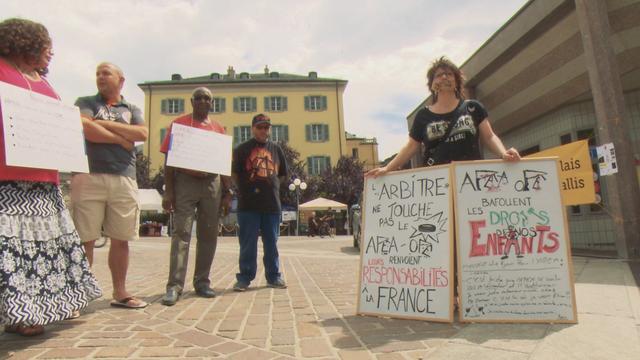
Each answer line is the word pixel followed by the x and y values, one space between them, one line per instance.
pixel 44 274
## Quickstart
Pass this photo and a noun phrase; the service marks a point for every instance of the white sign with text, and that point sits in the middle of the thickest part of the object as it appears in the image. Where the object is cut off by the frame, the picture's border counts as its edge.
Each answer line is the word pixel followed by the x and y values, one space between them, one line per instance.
pixel 514 261
pixel 201 150
pixel 41 132
pixel 406 262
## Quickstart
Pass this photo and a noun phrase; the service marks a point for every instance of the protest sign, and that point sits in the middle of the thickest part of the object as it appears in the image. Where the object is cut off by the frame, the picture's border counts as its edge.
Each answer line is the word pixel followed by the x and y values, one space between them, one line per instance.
pixel 201 150
pixel 41 132
pixel 514 261
pixel 407 250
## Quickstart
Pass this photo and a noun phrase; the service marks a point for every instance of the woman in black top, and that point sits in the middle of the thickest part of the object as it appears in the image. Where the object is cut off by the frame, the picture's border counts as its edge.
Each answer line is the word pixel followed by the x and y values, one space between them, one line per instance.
pixel 451 127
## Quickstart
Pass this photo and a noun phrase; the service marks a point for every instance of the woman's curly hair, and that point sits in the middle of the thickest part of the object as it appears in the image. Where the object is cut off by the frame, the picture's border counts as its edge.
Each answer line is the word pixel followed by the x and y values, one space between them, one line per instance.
pixel 444 63
pixel 23 38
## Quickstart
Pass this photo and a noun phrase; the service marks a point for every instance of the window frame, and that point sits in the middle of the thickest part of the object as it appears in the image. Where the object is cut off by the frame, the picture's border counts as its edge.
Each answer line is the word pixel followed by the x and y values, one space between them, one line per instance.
pixel 172 106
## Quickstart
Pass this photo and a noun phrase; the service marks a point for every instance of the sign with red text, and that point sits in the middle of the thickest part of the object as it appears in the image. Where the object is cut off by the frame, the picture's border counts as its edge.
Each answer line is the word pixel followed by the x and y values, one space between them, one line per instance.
pixel 407 246
pixel 514 261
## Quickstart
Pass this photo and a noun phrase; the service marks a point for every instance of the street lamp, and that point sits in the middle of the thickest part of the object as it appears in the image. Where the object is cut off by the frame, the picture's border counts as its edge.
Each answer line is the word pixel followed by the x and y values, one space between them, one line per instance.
pixel 296 186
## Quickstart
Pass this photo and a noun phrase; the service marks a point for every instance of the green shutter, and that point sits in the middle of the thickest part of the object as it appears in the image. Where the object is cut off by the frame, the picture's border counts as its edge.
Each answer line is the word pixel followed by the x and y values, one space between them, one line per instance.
pixel 307 101
pixel 310 165
pixel 324 103
pixel 284 103
pixel 236 135
pixel 308 132
pixel 163 106
pixel 181 107
pixel 286 133
pixel 223 106
pixel 254 105
pixel 327 162
pixel 267 105
pixel 163 133
pixel 325 132
pixel 236 104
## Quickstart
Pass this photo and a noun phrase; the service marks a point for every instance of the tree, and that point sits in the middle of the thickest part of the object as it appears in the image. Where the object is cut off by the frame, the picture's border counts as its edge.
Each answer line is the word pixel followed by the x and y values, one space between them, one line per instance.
pixel 296 171
pixel 343 183
pixel 142 171
pixel 143 174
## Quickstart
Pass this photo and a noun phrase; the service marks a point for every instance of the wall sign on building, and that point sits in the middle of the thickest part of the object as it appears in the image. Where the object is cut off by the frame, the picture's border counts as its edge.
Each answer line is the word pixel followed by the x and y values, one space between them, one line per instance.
pixel 576 175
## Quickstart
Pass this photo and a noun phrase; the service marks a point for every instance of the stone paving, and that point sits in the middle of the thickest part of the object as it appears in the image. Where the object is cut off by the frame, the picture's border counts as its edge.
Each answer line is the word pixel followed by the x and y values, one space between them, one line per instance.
pixel 315 316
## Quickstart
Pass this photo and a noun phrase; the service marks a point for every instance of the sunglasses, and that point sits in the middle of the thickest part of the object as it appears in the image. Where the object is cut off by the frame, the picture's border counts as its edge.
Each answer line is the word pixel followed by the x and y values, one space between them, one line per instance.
pixel 201 97
pixel 263 127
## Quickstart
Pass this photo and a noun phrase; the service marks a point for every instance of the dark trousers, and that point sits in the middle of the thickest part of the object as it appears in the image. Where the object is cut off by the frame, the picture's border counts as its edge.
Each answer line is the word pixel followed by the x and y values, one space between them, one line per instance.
pixel 195 198
pixel 250 223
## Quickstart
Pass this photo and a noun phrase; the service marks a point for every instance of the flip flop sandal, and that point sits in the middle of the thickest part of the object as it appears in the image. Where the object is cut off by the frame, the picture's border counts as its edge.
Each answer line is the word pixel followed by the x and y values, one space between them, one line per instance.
pixel 74 315
pixel 126 303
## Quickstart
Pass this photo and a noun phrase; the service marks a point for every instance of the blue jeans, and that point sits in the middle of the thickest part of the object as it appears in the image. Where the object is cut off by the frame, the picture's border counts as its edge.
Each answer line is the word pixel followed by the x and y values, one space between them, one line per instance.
pixel 249 223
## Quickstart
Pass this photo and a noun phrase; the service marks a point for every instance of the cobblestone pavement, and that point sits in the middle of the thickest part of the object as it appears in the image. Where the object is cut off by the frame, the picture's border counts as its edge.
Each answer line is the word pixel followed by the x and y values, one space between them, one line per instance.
pixel 315 316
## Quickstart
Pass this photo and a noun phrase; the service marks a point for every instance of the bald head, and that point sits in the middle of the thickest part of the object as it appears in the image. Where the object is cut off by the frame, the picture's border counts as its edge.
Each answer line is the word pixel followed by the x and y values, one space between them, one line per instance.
pixel 110 80
pixel 201 91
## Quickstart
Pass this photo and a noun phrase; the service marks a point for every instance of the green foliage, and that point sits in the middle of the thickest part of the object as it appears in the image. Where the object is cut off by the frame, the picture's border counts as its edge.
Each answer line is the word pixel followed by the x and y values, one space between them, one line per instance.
pixel 296 171
pixel 344 182
pixel 143 174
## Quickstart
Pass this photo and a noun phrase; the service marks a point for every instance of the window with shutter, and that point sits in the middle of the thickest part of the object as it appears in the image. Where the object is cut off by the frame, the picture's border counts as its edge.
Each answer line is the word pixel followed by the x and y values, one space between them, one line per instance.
pixel 241 134
pixel 244 104
pixel 172 106
pixel 316 165
pixel 217 105
pixel 315 103
pixel 275 103
pixel 280 133
pixel 317 132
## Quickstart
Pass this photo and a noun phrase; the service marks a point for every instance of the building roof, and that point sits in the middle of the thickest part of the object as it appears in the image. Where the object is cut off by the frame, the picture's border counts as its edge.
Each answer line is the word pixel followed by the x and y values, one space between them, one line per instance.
pixel 231 76
pixel 363 140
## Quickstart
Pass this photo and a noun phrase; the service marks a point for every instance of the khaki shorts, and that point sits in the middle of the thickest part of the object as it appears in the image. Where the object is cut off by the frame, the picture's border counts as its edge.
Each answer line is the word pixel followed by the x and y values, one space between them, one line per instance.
pixel 105 203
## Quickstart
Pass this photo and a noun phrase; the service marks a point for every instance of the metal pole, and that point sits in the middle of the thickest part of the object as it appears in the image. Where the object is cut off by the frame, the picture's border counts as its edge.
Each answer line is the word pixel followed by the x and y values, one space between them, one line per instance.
pixel 297 211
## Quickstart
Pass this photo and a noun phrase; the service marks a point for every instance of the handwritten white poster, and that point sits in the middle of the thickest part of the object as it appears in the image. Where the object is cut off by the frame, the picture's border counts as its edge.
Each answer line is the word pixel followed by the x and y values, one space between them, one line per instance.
pixel 41 132
pixel 514 261
pixel 201 150
pixel 407 247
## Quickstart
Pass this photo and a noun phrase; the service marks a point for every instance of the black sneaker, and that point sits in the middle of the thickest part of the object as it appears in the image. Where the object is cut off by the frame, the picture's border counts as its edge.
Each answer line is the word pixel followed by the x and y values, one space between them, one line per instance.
pixel 240 286
pixel 278 284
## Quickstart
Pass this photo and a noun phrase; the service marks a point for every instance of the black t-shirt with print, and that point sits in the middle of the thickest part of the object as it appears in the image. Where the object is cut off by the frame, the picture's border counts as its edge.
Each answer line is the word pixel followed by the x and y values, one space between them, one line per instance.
pixel 462 142
pixel 258 167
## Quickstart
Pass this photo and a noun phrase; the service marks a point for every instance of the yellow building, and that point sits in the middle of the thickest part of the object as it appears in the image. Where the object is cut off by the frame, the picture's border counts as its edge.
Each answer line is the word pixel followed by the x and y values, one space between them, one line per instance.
pixel 363 149
pixel 307 111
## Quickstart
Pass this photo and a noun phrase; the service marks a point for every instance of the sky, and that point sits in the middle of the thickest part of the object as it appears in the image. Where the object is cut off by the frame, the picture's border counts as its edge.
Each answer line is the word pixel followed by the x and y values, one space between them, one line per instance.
pixel 382 47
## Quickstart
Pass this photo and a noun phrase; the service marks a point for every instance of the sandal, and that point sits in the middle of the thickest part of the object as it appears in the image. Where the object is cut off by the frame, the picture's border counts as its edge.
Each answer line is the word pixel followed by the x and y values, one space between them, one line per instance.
pixel 130 302
pixel 24 330
pixel 74 315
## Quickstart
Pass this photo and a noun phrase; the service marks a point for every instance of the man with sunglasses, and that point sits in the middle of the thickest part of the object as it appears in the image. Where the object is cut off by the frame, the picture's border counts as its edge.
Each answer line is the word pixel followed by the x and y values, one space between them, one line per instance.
pixel 188 192
pixel 258 168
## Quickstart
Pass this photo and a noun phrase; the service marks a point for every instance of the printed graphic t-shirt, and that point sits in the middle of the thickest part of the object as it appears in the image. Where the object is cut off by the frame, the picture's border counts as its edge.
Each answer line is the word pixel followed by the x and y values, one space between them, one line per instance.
pixel 110 158
pixel 461 144
pixel 258 167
